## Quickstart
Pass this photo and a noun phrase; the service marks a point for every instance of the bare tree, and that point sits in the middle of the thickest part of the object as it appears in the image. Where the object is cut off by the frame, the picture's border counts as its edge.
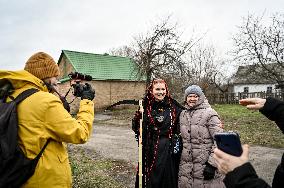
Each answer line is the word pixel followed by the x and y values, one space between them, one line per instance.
pixel 261 47
pixel 221 81
pixel 124 51
pixel 205 68
pixel 160 51
pixel 201 65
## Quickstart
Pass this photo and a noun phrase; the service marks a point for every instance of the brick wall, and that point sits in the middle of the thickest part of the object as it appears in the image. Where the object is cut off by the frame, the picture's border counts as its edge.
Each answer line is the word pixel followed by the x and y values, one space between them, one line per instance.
pixel 65 67
pixel 107 92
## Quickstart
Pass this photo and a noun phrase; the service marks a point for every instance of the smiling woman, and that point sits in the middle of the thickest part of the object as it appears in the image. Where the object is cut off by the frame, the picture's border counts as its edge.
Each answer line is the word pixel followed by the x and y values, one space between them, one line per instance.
pixel 160 128
pixel 192 99
pixel 198 125
pixel 159 89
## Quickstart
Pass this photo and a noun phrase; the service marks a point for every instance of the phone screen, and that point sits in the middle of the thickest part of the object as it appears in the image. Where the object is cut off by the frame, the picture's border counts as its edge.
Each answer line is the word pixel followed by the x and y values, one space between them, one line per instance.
pixel 229 142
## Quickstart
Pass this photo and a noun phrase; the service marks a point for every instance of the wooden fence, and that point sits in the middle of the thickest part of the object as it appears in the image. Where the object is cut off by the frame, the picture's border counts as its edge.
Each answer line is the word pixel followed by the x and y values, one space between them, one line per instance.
pixel 233 98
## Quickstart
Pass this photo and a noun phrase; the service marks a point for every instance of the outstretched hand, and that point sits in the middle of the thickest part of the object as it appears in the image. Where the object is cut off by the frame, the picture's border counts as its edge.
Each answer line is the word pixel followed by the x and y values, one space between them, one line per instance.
pixel 252 103
pixel 227 163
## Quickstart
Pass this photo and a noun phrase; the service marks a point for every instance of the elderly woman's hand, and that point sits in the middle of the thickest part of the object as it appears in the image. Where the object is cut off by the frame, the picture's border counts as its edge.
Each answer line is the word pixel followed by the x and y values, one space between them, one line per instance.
pixel 227 163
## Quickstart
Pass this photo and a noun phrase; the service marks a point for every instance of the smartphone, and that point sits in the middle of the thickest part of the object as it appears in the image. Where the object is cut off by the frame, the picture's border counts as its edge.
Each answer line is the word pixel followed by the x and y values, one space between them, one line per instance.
pixel 229 142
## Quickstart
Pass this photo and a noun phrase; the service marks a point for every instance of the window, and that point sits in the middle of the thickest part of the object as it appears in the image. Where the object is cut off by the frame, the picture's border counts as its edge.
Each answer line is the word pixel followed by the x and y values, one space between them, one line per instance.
pixel 246 89
pixel 269 89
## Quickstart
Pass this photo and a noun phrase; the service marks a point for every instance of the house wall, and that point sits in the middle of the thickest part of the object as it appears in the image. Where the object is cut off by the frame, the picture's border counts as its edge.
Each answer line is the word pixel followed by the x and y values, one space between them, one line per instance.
pixel 65 67
pixel 110 92
pixel 239 88
pixel 107 93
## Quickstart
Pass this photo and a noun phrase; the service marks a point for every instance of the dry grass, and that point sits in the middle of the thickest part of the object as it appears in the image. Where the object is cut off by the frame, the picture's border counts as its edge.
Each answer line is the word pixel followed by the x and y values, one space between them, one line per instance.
pixel 90 170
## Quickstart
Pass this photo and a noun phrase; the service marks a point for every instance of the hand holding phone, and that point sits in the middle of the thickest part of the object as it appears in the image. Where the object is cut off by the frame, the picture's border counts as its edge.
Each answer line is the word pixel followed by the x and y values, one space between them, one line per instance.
pixel 229 142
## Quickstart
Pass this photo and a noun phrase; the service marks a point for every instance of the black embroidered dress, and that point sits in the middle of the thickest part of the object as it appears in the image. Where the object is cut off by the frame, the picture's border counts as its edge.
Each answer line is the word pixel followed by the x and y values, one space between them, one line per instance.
pixel 160 165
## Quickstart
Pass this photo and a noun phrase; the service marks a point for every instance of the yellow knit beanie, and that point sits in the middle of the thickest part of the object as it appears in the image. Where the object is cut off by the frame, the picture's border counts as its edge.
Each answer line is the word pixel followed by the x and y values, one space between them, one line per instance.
pixel 42 66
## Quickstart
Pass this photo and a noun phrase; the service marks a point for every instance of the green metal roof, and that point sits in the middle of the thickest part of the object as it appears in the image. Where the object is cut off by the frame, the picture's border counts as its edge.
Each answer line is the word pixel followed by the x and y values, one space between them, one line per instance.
pixel 102 67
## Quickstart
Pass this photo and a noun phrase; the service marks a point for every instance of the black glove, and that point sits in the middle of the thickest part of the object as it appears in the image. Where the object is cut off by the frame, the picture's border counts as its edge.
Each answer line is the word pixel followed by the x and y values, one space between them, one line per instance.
pixel 136 121
pixel 209 171
pixel 88 92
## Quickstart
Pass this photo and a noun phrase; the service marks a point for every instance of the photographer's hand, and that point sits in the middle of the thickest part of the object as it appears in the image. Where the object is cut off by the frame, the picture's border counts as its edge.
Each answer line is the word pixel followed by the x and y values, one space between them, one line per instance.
pixel 88 92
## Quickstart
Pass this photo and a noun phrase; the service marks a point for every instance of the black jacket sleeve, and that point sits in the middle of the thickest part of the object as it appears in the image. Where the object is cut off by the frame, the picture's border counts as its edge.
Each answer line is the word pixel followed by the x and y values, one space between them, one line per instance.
pixel 273 109
pixel 244 177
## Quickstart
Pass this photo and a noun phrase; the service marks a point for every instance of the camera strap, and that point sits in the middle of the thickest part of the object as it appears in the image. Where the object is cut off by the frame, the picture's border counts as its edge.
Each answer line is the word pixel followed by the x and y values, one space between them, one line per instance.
pixel 63 99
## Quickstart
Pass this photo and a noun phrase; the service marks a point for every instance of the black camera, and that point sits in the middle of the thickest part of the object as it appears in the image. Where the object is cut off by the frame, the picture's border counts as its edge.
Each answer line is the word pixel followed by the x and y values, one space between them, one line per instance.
pixel 77 86
pixel 80 76
pixel 84 91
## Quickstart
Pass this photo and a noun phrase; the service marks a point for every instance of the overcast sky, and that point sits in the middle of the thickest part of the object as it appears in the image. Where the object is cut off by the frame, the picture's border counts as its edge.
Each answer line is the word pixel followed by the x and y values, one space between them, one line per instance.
pixel 96 26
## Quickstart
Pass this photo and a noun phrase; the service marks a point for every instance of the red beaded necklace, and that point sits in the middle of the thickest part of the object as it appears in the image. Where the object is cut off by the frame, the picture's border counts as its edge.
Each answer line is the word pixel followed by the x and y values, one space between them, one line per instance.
pixel 152 123
pixel 149 100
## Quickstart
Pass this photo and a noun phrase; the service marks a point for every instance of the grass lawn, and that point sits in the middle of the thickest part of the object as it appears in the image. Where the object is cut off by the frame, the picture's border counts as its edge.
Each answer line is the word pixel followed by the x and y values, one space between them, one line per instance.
pixel 252 126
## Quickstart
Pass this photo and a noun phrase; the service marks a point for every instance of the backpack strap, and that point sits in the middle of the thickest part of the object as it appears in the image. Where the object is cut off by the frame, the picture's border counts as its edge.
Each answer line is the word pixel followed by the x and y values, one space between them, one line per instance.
pixel 42 149
pixel 25 94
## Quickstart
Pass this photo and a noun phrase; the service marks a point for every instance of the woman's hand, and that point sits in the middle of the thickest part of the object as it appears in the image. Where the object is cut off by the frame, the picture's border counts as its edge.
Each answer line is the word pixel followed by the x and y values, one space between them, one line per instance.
pixel 253 103
pixel 227 163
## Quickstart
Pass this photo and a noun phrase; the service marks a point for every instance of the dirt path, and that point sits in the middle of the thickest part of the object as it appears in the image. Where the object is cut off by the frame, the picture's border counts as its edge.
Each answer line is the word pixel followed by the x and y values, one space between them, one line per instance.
pixel 117 142
pixel 265 161
pixel 114 142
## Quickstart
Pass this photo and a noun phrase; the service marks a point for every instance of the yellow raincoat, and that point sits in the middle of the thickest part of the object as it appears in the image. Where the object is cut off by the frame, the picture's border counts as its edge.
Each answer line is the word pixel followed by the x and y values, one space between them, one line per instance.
pixel 42 116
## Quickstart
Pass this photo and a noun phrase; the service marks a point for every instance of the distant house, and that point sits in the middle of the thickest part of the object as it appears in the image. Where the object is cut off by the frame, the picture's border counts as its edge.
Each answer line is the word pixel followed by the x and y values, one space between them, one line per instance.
pixel 114 77
pixel 247 82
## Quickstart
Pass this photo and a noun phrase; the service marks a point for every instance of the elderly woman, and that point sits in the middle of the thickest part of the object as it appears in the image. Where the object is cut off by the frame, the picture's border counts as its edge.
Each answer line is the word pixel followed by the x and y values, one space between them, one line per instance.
pixel 161 115
pixel 198 125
